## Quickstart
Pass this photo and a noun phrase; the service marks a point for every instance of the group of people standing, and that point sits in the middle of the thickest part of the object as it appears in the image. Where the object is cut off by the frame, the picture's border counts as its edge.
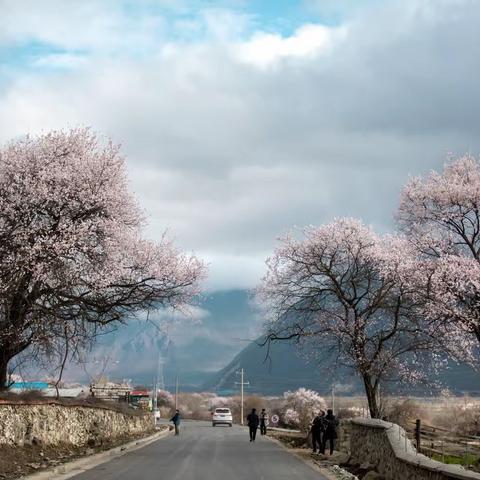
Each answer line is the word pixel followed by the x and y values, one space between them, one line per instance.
pixel 324 429
pixel 254 421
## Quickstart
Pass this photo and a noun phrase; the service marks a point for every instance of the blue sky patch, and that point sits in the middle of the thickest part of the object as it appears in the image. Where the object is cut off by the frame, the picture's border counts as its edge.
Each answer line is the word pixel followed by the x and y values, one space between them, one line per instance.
pixel 29 55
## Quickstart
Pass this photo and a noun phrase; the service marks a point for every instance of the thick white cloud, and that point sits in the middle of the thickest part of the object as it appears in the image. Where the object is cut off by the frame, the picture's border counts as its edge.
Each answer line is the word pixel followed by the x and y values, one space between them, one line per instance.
pixel 233 140
pixel 267 49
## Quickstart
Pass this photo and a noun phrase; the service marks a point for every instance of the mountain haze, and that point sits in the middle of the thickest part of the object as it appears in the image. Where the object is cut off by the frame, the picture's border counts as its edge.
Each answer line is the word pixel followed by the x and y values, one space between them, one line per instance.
pixel 194 348
pixel 223 337
pixel 286 370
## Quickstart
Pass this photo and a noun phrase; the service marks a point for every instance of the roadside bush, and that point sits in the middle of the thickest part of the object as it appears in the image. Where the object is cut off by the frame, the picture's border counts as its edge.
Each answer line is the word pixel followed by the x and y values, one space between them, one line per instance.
pixel 465 421
pixel 405 412
pixel 349 412
pixel 198 406
pixel 165 399
pixel 22 396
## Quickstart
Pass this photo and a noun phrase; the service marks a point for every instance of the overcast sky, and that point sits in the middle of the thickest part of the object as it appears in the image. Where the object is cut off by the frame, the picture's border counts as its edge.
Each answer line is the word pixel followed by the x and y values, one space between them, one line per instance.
pixel 242 119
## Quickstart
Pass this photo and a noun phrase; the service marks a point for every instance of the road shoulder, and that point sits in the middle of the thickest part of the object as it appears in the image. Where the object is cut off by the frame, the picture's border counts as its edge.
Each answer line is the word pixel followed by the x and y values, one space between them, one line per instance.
pixel 76 467
pixel 305 458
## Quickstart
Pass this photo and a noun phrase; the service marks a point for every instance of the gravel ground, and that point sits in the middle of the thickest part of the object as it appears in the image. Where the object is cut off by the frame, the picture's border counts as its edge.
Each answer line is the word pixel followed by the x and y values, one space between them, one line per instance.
pixel 334 464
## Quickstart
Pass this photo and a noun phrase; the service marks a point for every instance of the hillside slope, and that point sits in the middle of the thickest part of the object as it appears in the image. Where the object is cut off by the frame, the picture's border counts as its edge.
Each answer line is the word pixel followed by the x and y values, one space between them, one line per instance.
pixel 286 370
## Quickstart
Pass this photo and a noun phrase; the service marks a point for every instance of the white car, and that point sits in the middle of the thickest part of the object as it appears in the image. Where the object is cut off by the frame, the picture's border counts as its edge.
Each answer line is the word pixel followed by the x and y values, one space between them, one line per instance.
pixel 222 416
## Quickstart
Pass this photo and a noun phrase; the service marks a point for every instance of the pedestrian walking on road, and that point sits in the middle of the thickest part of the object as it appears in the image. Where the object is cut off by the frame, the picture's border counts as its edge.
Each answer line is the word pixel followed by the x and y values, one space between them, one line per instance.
pixel 253 422
pixel 263 422
pixel 331 424
pixel 317 429
pixel 176 421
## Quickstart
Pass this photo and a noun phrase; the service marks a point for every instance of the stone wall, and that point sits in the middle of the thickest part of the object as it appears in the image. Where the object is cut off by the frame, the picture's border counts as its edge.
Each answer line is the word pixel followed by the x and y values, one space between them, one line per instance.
pixel 53 424
pixel 386 446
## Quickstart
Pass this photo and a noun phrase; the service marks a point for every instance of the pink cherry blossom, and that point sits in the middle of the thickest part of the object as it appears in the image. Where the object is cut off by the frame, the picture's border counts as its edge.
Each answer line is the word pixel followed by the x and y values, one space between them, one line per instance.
pixel 341 289
pixel 440 216
pixel 72 255
pixel 301 406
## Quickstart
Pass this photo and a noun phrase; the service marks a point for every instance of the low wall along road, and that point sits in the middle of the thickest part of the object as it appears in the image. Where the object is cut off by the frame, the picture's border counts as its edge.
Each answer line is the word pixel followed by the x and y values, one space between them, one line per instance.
pixel 386 446
pixel 53 424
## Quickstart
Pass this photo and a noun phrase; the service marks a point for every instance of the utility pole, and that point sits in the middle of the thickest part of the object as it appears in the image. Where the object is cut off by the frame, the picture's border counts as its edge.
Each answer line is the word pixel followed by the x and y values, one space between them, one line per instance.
pixel 154 402
pixel 160 372
pixel 158 383
pixel 333 397
pixel 176 392
pixel 242 384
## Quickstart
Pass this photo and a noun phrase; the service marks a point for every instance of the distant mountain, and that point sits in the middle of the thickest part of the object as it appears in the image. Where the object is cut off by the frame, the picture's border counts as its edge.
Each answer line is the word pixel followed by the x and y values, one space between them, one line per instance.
pixel 286 370
pixel 194 349
pixel 283 370
pixel 206 352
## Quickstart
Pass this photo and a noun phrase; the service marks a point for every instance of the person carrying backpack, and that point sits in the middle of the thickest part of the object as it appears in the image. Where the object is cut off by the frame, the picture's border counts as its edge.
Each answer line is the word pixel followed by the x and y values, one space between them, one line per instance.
pixel 176 421
pixel 317 429
pixel 331 424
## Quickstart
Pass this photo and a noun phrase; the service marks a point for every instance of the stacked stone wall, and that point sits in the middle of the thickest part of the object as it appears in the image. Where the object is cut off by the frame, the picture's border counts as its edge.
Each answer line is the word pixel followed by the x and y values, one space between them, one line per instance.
pixel 54 424
pixel 386 447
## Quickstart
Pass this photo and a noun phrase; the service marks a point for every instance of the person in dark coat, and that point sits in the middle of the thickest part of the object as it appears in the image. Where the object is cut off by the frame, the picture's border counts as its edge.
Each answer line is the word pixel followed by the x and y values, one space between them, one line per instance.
pixel 263 422
pixel 330 433
pixel 253 422
pixel 317 429
pixel 176 421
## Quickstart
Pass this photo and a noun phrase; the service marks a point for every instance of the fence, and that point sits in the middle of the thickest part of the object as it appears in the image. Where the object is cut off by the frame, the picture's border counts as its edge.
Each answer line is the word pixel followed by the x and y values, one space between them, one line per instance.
pixel 445 445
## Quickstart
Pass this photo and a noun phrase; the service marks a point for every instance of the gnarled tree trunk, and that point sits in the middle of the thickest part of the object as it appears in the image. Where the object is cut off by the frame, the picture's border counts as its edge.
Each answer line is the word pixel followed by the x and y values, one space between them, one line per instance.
pixel 371 390
pixel 5 357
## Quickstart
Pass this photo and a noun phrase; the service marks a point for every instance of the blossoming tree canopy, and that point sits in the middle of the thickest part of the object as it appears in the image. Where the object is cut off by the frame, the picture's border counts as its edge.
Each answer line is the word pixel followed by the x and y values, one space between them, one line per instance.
pixel 440 215
pixel 71 250
pixel 301 406
pixel 339 286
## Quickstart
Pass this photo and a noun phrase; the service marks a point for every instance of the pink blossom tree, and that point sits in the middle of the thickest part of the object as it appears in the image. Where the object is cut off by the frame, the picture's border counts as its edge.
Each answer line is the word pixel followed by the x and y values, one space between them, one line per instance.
pixel 440 216
pixel 301 406
pixel 340 287
pixel 72 257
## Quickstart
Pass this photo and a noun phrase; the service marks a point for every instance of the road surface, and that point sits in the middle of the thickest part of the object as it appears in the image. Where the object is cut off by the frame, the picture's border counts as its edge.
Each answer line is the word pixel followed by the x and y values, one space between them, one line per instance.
pixel 202 452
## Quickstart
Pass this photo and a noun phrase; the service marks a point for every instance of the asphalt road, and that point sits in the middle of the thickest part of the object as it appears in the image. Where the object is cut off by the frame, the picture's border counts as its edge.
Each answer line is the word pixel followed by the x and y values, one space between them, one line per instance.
pixel 202 452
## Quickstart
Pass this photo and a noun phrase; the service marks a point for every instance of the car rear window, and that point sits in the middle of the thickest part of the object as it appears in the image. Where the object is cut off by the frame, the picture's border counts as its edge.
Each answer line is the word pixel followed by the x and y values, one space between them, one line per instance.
pixel 222 410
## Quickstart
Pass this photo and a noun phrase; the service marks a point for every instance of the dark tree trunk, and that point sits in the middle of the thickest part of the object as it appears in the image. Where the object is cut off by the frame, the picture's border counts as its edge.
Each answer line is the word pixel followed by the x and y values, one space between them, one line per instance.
pixel 6 355
pixel 371 390
pixel 12 344
pixel 4 359
pixel 476 330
